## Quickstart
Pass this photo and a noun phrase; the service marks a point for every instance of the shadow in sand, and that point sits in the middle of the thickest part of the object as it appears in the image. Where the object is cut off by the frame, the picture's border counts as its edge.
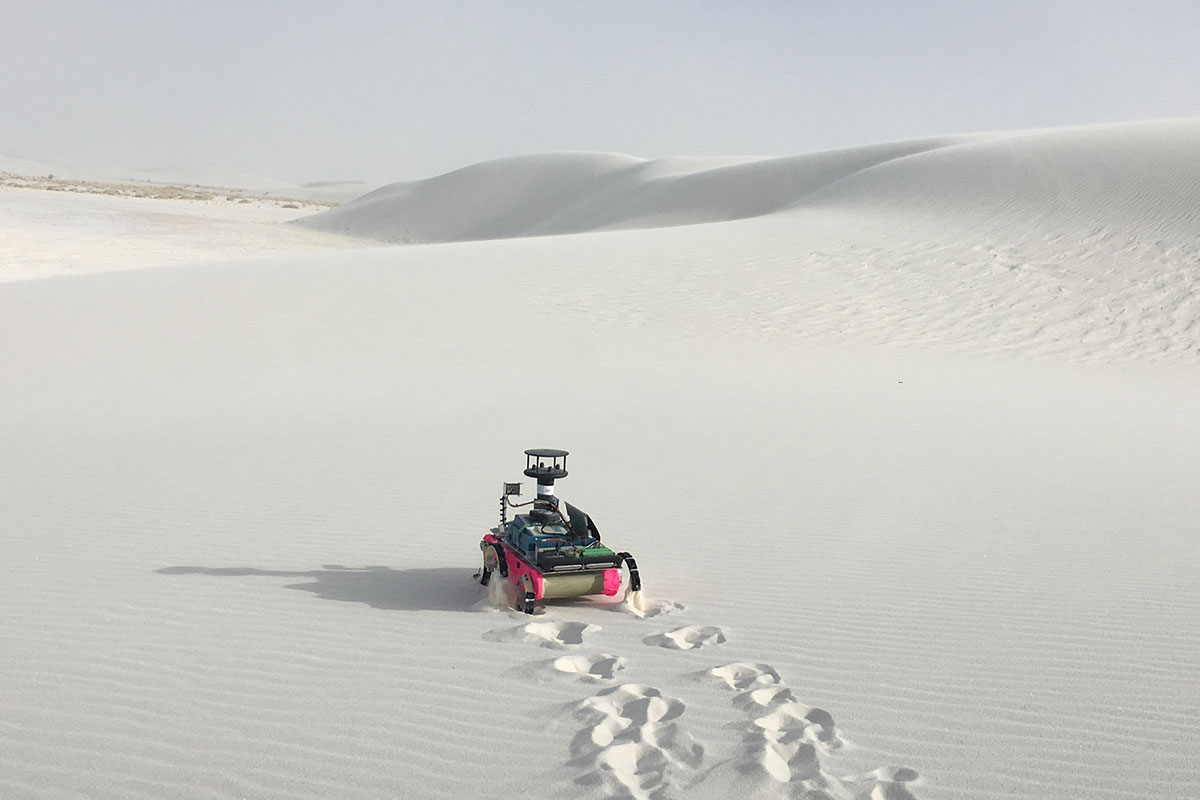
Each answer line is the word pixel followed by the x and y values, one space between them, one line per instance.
pixel 439 589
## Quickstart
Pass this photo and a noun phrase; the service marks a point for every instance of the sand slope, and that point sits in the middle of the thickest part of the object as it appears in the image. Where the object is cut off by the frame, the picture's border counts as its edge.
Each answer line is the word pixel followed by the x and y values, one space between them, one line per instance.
pixel 910 488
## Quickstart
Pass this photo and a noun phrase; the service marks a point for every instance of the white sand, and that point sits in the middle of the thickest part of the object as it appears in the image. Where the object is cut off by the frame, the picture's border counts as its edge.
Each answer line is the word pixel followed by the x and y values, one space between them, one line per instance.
pixel 54 233
pixel 912 450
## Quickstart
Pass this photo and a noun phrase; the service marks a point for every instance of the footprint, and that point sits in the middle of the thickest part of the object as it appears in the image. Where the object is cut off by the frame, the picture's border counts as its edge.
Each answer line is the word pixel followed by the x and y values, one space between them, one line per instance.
pixel 743 675
pixel 631 743
pixel 764 698
pixel 789 759
pixel 633 702
pixel 890 790
pixel 895 774
pixel 885 783
pixel 556 635
pixel 589 668
pixel 687 638
pixel 640 606
pixel 827 732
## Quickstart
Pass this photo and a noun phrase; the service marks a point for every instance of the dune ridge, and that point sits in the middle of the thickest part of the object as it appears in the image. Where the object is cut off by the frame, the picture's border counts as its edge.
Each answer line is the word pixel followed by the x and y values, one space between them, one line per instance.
pixel 1140 173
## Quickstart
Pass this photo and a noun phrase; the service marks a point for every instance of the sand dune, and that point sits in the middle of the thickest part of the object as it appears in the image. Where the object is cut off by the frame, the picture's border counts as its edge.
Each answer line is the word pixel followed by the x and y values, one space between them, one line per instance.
pixel 1140 176
pixel 572 193
pixel 904 454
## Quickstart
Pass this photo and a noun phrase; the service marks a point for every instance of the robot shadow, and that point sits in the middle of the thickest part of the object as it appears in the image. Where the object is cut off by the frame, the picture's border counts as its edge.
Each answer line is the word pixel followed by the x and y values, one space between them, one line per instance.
pixel 435 589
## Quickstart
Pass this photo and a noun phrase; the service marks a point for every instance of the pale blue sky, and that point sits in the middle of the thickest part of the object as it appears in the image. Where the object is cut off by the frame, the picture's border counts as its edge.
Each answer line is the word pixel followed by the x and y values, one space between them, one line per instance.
pixel 306 90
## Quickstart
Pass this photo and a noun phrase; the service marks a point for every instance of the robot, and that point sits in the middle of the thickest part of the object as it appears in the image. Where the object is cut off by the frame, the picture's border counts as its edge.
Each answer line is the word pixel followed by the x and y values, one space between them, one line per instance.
pixel 546 553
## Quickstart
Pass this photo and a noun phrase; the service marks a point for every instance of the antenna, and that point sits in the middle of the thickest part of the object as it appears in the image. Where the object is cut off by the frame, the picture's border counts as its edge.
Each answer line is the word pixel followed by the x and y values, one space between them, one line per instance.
pixel 510 489
pixel 546 465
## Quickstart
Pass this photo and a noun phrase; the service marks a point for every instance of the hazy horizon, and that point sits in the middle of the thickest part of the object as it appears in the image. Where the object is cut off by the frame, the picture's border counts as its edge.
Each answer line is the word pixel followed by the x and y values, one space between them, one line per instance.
pixel 383 92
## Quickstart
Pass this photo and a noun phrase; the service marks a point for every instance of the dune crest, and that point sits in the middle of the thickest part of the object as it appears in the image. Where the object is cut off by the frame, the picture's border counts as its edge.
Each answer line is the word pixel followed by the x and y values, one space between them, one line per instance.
pixel 1138 172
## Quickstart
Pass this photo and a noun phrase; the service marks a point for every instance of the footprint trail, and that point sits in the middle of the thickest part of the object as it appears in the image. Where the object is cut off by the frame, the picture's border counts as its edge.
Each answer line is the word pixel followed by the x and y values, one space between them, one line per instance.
pixel 631 744
pixel 788 742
